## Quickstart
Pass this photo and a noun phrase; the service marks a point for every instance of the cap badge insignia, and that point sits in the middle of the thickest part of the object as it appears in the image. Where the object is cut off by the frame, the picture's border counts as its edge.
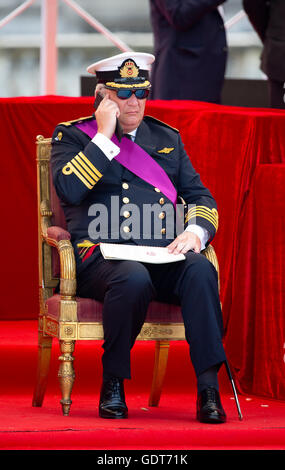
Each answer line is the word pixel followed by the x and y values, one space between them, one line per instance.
pixel 166 150
pixel 129 69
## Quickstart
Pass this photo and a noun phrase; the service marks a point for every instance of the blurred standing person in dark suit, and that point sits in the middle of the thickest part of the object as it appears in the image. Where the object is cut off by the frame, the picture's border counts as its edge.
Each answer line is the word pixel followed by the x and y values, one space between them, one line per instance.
pixel 268 19
pixel 190 47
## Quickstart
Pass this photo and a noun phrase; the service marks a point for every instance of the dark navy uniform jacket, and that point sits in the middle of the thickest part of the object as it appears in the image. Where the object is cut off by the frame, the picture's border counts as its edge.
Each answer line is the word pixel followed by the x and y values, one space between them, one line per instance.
pixel 94 189
pixel 190 49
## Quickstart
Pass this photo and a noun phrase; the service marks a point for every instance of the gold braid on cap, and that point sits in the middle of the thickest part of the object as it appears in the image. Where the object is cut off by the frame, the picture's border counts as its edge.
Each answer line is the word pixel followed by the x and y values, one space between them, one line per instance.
pixel 146 83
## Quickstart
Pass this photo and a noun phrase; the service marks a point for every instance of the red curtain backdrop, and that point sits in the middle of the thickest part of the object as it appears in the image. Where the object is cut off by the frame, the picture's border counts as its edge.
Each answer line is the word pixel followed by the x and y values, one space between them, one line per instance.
pixel 240 155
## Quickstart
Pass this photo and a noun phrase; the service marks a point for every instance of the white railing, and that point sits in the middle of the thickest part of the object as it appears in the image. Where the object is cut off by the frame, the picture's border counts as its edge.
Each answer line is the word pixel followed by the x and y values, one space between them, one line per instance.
pixel 48 56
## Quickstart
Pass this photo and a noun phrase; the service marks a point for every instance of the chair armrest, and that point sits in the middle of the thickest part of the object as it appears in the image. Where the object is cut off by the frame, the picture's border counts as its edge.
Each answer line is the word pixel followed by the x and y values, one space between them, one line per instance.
pixel 211 256
pixel 60 239
pixel 57 233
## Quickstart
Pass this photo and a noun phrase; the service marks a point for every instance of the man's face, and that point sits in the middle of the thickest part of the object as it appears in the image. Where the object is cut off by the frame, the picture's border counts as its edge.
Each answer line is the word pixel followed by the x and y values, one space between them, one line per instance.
pixel 131 110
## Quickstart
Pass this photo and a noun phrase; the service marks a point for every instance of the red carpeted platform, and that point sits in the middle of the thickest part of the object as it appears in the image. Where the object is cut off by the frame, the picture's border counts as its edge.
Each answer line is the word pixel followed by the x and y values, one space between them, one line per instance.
pixel 240 155
pixel 172 425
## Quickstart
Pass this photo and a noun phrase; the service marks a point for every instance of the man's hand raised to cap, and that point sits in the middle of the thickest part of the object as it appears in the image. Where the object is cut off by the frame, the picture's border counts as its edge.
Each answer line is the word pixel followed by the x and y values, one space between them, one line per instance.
pixel 106 115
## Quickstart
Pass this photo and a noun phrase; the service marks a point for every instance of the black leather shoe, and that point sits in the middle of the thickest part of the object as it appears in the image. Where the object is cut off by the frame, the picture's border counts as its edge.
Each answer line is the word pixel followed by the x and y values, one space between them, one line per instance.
pixel 112 399
pixel 209 407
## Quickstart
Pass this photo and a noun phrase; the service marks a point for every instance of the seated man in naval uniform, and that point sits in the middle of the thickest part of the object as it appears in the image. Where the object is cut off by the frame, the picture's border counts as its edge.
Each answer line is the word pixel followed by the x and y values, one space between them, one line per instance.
pixel 92 168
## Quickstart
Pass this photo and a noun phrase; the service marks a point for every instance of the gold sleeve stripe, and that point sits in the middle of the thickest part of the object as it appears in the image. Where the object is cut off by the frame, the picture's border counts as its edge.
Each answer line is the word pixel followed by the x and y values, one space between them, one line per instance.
pixel 83 172
pixel 81 162
pixel 97 172
pixel 83 169
pixel 213 212
pixel 214 223
pixel 211 219
pixel 202 211
pixel 70 168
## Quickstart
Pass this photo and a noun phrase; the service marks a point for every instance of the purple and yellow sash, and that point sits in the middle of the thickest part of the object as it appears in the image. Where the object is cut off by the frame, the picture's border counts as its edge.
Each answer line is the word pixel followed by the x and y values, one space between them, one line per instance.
pixel 139 162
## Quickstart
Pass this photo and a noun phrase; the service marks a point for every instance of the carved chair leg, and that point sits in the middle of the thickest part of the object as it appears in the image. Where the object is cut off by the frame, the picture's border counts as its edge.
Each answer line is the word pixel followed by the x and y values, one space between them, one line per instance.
pixel 44 355
pixel 160 363
pixel 66 374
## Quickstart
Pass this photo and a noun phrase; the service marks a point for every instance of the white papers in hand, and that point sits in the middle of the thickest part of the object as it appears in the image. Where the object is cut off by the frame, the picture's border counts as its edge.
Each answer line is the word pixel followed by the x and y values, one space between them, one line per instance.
pixel 144 254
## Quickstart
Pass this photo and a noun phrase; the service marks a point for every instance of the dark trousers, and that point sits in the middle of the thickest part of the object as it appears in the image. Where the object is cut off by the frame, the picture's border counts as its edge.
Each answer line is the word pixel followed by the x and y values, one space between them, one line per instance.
pixel 276 94
pixel 127 288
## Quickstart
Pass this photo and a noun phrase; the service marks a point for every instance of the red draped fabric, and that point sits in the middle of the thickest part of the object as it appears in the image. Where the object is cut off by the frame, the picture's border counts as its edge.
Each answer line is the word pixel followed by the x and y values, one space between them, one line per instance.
pixel 255 333
pixel 240 155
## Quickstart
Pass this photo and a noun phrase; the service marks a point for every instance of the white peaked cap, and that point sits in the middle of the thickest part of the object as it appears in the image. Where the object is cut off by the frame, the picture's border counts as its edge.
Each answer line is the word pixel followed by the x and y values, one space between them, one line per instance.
pixel 143 61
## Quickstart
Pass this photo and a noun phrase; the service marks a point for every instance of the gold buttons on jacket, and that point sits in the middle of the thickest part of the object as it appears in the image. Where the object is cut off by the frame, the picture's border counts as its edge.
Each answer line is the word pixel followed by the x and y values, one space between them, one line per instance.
pixel 126 200
pixel 126 229
pixel 163 231
pixel 161 215
pixel 157 190
pixel 125 186
pixel 161 200
pixel 126 214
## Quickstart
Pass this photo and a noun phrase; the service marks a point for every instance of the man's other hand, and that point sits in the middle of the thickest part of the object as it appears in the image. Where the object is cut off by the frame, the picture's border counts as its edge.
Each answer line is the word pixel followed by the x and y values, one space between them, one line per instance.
pixel 184 242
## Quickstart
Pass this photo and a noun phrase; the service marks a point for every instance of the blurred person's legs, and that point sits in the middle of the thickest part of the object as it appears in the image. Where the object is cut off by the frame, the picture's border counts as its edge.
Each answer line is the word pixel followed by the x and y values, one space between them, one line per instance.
pixel 276 94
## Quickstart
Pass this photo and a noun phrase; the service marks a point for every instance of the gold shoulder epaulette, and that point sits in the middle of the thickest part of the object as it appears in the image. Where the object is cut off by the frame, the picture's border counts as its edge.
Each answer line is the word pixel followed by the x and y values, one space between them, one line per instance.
pixel 75 121
pixel 151 118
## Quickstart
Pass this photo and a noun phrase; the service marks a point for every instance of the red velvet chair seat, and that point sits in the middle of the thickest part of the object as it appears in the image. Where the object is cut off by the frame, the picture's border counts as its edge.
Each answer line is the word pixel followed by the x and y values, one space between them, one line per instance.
pixel 89 310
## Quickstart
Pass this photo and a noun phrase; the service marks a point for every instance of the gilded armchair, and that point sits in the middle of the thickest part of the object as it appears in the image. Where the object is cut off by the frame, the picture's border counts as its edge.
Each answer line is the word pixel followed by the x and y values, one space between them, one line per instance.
pixel 69 318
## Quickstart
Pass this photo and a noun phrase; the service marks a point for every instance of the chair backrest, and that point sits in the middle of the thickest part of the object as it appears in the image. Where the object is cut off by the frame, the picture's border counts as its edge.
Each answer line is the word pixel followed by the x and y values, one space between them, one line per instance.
pixel 49 213
pixel 57 217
